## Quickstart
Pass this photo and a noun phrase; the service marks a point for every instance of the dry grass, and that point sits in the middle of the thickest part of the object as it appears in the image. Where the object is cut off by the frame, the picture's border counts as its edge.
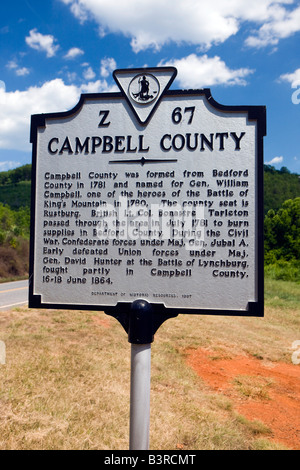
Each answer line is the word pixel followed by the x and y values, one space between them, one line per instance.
pixel 66 385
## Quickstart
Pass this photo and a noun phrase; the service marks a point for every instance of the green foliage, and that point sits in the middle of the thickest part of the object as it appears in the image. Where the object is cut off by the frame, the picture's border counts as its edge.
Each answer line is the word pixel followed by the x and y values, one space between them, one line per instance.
pixel 23 173
pixel 283 271
pixel 15 187
pixel 282 232
pixel 279 186
pixel 14 242
pixel 13 225
pixel 282 215
pixel 16 195
pixel 282 241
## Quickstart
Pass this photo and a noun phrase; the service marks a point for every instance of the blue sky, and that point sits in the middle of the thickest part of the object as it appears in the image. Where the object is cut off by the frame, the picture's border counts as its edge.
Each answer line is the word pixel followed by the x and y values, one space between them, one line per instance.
pixel 245 52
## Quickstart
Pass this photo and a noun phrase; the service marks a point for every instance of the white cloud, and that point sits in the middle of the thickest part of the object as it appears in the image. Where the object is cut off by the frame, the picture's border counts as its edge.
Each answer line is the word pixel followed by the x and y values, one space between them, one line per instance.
pixel 280 26
pixel 2 85
pixel 12 64
pixel 89 74
pixel 43 43
pixel 203 71
pixel 17 107
pixel 153 23
pixel 108 65
pixel 77 9
pixel 73 53
pixel 100 86
pixel 275 161
pixel 9 165
pixel 71 76
pixel 22 72
pixel 292 78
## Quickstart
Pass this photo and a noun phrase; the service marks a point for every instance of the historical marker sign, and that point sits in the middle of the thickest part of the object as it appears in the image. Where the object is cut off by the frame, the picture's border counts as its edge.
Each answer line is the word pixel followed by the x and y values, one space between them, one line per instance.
pixel 150 194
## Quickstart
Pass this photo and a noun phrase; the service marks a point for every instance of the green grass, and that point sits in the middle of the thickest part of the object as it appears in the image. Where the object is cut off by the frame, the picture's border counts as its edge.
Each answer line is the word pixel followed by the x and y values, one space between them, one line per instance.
pixel 282 294
pixel 284 271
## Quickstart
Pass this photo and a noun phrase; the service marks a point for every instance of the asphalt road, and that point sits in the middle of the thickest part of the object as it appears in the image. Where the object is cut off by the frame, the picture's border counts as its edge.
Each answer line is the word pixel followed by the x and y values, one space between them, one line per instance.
pixel 13 294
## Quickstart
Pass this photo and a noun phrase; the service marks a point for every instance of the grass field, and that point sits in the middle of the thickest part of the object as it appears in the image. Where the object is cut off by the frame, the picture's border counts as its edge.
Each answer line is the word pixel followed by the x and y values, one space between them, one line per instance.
pixel 66 381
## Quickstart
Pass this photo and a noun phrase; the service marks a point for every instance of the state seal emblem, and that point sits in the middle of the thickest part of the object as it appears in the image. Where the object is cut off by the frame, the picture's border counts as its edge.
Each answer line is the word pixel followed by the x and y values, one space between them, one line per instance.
pixel 144 88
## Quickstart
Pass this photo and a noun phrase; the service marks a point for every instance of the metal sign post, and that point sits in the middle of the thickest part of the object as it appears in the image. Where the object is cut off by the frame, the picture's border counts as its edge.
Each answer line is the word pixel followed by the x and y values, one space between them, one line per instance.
pixel 140 336
pixel 147 203
pixel 140 396
pixel 141 323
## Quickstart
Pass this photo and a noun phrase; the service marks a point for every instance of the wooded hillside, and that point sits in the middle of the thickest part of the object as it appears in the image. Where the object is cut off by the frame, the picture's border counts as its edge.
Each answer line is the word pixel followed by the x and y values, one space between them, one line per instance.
pixel 279 185
pixel 281 207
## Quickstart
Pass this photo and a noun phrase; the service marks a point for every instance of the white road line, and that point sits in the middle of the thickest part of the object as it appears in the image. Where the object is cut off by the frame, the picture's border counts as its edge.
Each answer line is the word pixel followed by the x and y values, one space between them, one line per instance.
pixel 13 305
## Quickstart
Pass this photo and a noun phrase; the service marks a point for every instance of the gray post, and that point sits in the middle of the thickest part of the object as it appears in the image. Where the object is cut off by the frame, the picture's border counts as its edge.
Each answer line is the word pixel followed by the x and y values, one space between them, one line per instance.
pixel 141 323
pixel 140 396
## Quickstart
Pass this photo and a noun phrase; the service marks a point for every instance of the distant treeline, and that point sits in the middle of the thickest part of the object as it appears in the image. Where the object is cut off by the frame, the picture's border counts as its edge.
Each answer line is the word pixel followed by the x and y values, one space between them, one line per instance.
pixel 23 173
pixel 279 185
pixel 282 241
pixel 15 187
pixel 282 222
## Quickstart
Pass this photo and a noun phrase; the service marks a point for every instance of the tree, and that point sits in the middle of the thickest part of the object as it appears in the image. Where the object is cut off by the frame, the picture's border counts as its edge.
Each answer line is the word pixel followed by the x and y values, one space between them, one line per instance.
pixel 282 232
pixel 278 187
pixel 13 224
